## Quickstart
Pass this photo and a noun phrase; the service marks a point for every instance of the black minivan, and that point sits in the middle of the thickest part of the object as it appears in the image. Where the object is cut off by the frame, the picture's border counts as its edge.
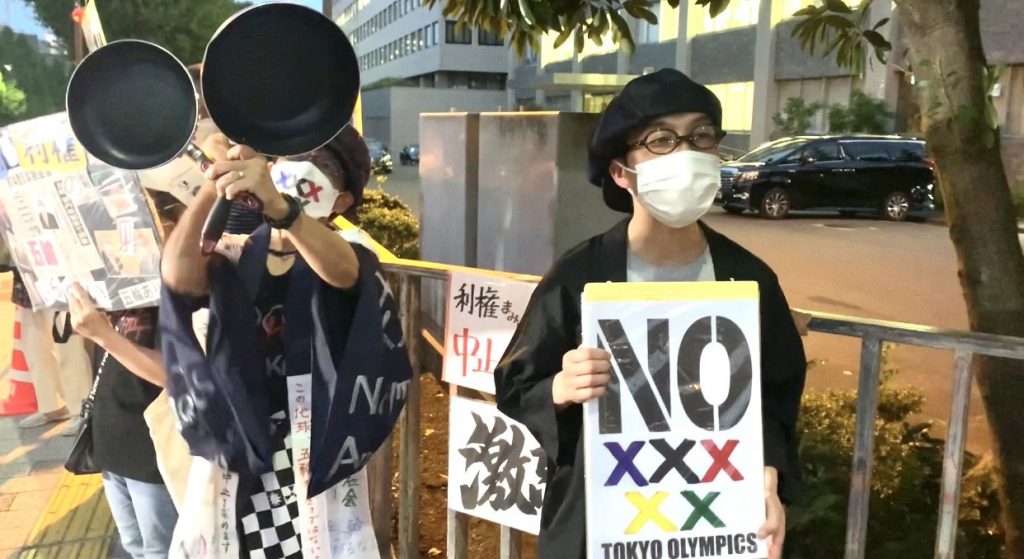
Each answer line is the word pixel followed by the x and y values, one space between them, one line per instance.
pixel 887 175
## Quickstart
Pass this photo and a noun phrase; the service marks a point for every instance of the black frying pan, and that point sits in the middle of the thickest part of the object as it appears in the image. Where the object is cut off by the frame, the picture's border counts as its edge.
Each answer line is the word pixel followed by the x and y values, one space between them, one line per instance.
pixel 281 78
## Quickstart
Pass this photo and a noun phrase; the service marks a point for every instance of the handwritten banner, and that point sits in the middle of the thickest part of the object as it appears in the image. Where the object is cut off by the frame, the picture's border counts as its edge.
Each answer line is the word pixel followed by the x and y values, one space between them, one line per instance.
pixel 483 312
pixel 673 450
pixel 495 466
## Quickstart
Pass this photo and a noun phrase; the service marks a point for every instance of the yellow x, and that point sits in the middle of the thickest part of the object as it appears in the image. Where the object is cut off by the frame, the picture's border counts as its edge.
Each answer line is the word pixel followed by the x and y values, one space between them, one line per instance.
pixel 648 512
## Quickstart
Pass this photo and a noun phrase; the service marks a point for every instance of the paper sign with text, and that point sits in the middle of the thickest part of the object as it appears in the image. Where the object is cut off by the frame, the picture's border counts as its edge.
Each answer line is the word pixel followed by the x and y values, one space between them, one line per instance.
pixel 68 217
pixel 673 449
pixel 483 312
pixel 495 466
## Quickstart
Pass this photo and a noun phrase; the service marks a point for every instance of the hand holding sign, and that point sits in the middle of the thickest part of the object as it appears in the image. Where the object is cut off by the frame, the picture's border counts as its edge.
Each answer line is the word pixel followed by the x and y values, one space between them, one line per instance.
pixel 585 374
pixel 86 319
pixel 775 521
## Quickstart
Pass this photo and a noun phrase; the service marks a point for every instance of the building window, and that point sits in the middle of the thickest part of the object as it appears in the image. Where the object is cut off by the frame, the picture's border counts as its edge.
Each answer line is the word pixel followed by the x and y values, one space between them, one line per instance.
pixel 455 34
pixel 648 32
pixel 489 38
pixel 421 39
pixel 433 34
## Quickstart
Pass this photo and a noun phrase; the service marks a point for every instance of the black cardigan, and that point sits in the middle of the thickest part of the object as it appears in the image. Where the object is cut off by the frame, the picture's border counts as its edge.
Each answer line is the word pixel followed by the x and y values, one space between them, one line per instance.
pixel 551 327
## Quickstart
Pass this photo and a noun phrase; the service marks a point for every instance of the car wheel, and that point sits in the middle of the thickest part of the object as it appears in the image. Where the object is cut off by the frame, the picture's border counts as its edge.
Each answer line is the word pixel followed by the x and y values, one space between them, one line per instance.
pixel 775 204
pixel 896 206
pixel 734 210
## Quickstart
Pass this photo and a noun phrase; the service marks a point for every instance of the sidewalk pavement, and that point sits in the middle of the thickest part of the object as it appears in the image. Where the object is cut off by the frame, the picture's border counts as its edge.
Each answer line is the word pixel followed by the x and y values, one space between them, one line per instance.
pixel 44 511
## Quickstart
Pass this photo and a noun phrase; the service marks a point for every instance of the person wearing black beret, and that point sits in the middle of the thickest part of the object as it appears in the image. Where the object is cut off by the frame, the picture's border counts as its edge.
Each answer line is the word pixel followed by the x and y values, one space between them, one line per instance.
pixel 654 155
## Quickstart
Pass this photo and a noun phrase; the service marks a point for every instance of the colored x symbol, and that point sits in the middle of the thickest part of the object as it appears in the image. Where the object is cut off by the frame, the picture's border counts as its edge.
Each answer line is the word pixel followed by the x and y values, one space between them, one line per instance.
pixel 282 180
pixel 701 509
pixel 720 457
pixel 625 464
pixel 647 511
pixel 312 191
pixel 674 459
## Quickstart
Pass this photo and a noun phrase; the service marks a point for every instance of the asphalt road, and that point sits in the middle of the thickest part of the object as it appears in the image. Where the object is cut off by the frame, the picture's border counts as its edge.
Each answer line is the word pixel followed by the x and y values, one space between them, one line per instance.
pixel 860 267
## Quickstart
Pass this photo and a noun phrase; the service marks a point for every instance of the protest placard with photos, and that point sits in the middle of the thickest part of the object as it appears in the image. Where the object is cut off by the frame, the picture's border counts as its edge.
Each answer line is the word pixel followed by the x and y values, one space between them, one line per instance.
pixel 68 217
pixel 495 466
pixel 483 312
pixel 673 449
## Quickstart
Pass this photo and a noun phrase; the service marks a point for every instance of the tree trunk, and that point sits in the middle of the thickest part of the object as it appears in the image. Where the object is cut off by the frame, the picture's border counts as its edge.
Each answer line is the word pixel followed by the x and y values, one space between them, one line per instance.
pixel 945 43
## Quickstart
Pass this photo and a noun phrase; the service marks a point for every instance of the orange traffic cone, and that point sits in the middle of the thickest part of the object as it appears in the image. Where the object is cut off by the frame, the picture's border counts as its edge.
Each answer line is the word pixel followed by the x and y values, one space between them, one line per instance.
pixel 22 399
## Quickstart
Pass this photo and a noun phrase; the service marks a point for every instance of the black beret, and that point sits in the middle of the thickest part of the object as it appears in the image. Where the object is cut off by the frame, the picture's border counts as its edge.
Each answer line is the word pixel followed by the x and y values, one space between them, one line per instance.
pixel 667 91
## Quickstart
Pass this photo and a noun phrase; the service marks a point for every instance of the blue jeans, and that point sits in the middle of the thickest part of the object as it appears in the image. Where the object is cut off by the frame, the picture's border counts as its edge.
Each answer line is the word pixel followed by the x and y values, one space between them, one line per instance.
pixel 144 514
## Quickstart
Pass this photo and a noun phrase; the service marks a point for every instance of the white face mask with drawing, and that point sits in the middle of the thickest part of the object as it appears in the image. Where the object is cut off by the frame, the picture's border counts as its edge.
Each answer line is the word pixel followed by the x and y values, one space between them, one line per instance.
pixel 677 189
pixel 305 182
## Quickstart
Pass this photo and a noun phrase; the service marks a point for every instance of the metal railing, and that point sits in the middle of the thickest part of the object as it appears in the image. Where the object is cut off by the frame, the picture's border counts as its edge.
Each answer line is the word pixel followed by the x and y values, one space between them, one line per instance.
pixel 414 277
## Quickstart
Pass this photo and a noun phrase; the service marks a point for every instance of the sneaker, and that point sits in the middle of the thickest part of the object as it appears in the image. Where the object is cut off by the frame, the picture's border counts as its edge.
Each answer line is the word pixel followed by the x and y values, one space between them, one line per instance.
pixel 40 419
pixel 74 427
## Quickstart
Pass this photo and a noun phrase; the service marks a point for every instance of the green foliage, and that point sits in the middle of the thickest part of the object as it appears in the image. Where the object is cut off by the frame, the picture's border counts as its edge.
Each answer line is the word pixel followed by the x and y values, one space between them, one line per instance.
pixel 842 31
pixel 863 114
pixel 390 223
pixel 1018 203
pixel 387 82
pixel 795 118
pixel 834 26
pixel 182 26
pixel 12 102
pixel 41 79
pixel 905 482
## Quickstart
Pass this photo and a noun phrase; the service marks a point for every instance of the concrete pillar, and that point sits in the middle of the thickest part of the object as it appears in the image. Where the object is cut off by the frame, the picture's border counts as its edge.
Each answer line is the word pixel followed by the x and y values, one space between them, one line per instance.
pixel 881 80
pixel 623 57
pixel 764 73
pixel 683 39
pixel 510 92
pixel 576 96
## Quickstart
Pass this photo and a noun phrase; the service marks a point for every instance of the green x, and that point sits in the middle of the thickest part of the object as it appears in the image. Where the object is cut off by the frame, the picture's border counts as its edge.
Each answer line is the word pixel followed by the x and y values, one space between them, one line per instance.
pixel 701 509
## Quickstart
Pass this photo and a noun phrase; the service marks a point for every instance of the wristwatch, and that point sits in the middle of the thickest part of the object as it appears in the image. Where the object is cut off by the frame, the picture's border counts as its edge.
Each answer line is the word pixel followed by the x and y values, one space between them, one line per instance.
pixel 286 222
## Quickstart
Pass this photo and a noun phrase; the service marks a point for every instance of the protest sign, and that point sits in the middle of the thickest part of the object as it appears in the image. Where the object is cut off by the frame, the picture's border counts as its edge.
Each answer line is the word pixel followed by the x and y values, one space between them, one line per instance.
pixel 495 466
pixel 68 217
pixel 673 449
pixel 483 312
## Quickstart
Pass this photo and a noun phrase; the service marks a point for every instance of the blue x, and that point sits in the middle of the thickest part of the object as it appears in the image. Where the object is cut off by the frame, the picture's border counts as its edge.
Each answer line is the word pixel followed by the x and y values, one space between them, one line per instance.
pixel 625 464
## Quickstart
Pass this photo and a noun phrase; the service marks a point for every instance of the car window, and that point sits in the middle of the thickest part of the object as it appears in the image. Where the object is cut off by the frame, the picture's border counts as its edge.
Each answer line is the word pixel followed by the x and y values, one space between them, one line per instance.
pixel 823 151
pixel 906 151
pixel 866 151
pixel 773 152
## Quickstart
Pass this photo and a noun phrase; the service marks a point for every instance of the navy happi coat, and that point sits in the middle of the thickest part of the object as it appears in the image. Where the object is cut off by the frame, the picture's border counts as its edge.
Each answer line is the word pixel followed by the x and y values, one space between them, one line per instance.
pixel 350 341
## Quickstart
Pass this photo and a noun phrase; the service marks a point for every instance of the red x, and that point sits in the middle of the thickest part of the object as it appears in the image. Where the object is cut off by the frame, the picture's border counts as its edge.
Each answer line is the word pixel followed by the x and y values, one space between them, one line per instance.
pixel 313 192
pixel 720 457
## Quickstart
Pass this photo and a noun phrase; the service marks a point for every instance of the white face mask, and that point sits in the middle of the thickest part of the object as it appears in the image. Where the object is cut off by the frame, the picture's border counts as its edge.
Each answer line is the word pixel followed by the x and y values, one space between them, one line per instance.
pixel 305 182
pixel 679 188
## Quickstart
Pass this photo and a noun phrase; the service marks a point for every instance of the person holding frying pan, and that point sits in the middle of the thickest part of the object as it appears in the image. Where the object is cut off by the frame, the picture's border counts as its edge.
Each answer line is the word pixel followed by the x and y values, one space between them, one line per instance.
pixel 297 315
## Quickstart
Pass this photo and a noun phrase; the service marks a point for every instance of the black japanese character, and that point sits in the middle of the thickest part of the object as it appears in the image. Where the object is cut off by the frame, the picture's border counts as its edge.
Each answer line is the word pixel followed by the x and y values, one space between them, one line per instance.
pixel 503 484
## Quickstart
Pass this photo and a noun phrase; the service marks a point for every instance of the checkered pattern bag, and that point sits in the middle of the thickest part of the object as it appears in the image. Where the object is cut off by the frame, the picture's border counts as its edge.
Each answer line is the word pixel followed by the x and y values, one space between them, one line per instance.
pixel 270 520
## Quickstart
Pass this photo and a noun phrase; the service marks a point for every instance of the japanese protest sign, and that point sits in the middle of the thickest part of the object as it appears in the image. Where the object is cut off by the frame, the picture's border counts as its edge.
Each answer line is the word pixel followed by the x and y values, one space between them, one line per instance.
pixel 483 312
pixel 674 461
pixel 67 217
pixel 495 466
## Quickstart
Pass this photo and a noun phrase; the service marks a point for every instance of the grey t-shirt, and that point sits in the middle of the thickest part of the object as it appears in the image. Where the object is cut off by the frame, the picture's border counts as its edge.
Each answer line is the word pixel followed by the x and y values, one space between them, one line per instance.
pixel 701 269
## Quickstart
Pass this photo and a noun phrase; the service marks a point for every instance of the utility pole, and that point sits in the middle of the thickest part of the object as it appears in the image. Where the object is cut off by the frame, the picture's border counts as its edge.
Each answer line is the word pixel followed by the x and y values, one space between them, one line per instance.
pixel 328 7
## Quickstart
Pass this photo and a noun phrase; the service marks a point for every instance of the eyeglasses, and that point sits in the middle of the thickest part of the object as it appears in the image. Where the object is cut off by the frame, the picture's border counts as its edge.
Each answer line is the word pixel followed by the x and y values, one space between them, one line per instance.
pixel 663 141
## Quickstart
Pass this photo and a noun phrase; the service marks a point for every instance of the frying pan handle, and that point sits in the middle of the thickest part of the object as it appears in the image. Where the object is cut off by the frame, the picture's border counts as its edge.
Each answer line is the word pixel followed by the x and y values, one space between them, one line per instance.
pixel 204 162
pixel 217 220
